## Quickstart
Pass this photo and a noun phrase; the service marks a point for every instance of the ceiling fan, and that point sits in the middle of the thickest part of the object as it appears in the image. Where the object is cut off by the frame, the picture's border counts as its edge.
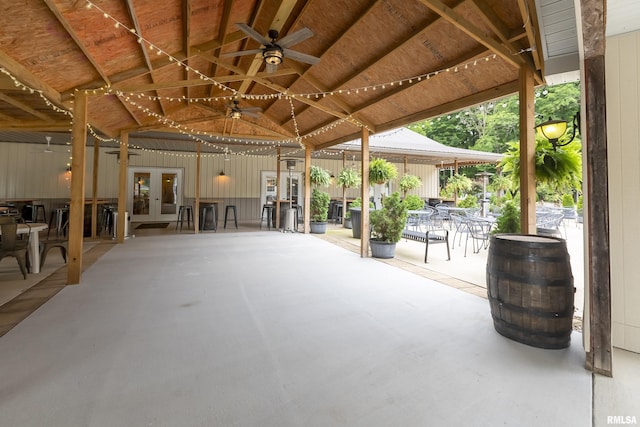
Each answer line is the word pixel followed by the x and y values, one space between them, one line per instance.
pixel 274 50
pixel 48 148
pixel 235 112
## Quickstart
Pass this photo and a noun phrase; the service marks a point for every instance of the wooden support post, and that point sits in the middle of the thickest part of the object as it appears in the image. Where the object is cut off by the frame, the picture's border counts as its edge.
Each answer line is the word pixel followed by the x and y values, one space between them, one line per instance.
pixel 364 218
pixel 344 190
pixel 278 192
pixel 122 187
pixel 527 152
pixel 307 191
pixel 94 189
pixel 76 209
pixel 196 207
pixel 593 29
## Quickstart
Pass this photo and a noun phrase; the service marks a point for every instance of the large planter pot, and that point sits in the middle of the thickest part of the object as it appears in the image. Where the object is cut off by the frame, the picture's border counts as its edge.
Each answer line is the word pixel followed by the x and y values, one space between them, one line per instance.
pixel 382 249
pixel 530 289
pixel 356 215
pixel 318 227
pixel 347 223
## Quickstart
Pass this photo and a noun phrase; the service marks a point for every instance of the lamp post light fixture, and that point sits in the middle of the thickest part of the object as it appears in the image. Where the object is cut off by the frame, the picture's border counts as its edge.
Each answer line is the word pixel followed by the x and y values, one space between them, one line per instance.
pixel 553 130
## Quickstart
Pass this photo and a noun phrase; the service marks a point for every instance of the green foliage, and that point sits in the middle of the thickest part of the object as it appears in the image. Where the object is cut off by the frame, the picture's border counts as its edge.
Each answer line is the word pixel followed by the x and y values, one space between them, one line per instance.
pixel 468 202
pixel 567 200
pixel 413 202
pixel 381 171
pixel 387 223
pixel 457 184
pixel 559 169
pixel 349 178
pixel 319 177
pixel 408 183
pixel 319 208
pixel 579 206
pixel 509 220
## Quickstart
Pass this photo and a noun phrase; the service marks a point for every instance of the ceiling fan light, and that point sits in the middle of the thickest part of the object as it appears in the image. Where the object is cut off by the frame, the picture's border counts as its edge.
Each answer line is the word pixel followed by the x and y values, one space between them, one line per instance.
pixel 235 114
pixel 272 56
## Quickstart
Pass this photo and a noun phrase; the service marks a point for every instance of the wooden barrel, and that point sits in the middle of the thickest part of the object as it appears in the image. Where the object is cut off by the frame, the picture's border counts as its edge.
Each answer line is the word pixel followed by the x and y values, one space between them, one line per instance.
pixel 530 289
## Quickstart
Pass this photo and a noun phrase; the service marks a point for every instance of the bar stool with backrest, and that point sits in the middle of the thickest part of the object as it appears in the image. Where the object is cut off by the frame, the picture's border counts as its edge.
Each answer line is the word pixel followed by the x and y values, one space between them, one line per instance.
pixel 267 208
pixel 59 216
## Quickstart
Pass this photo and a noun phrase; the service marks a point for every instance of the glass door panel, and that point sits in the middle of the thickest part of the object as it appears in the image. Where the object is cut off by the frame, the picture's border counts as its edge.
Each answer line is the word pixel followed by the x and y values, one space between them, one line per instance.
pixel 154 194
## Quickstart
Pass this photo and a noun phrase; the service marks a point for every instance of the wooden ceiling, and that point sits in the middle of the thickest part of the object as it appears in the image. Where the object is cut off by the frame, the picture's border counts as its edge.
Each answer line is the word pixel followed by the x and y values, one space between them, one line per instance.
pixel 160 66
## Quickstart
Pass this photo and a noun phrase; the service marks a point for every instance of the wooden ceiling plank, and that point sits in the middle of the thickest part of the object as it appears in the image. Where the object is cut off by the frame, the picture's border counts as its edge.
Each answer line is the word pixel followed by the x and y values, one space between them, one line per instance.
pixel 36 126
pixel 472 31
pixel 186 41
pixel 25 77
pixel 222 29
pixel 145 53
pixel 492 20
pixel 382 54
pixel 24 107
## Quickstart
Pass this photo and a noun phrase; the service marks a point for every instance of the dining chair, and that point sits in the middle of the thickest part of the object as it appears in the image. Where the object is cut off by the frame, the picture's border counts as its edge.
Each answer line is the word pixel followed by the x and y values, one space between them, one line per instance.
pixel 10 245
pixel 479 232
pixel 60 241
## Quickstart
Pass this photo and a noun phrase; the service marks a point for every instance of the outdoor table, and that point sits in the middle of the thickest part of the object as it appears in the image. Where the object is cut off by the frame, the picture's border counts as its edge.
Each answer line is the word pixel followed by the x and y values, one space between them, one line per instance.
pixel 34 242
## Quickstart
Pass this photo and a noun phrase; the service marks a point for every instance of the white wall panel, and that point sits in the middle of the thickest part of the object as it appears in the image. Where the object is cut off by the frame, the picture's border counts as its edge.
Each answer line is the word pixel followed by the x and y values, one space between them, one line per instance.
pixel 623 134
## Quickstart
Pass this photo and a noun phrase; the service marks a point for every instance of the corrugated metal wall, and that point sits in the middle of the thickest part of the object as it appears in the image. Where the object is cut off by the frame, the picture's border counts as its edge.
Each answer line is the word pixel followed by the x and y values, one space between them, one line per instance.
pixel 26 171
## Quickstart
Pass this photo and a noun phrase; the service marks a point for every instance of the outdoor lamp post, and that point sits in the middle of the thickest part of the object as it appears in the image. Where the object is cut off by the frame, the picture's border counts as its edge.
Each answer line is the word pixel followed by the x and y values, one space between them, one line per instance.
pixel 553 130
pixel 484 176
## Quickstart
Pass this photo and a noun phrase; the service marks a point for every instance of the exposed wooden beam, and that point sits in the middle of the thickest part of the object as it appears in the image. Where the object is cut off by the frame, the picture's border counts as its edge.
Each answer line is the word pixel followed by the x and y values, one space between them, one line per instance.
pixel 530 19
pixel 186 40
pixel 25 77
pixel 472 31
pixel 24 107
pixel 224 23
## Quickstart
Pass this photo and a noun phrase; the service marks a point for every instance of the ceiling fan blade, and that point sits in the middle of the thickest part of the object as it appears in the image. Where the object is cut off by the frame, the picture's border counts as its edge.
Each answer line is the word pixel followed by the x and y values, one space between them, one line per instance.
pixel 251 114
pixel 253 34
pixel 294 38
pixel 242 53
pixel 251 109
pixel 300 57
pixel 271 68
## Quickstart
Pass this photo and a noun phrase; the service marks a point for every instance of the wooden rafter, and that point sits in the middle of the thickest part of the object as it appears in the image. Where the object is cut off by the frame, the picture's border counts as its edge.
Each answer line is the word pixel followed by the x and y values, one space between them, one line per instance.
pixel 224 23
pixel 530 19
pixel 145 53
pixel 186 40
pixel 24 107
pixel 472 31
pixel 381 55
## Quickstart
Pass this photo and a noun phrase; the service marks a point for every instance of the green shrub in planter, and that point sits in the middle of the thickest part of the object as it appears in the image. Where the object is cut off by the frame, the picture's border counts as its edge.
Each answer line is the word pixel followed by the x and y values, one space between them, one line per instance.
pixel 509 219
pixel 319 205
pixel 387 223
pixel 413 202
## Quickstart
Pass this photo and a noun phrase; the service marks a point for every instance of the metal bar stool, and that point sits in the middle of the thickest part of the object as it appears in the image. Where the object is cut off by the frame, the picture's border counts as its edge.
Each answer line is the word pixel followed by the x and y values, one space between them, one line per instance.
pixel 184 210
pixel 269 211
pixel 228 209
pixel 59 216
pixel 205 209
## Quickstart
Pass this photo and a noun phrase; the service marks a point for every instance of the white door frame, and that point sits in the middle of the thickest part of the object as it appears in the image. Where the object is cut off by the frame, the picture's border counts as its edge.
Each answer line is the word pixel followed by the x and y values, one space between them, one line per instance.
pixel 155 193
pixel 283 182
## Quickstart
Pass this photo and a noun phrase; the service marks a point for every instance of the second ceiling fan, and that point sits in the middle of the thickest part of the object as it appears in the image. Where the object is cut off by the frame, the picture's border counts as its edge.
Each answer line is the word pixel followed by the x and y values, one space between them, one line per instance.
pixel 274 50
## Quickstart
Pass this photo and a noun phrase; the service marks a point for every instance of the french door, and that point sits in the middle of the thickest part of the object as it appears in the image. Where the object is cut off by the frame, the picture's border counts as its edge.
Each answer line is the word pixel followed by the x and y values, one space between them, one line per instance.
pixel 291 183
pixel 154 194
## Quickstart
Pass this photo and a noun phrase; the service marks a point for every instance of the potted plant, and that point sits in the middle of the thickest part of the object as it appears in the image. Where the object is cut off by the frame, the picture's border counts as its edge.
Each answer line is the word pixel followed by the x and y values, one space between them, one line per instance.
pixel 408 183
pixel 319 208
pixel 348 178
pixel 413 202
pixel 354 214
pixel 509 219
pixel 387 225
pixel 381 171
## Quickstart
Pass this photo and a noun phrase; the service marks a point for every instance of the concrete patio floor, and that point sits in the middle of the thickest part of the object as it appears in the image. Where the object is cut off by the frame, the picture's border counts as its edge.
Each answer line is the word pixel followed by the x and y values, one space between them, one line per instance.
pixel 175 330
